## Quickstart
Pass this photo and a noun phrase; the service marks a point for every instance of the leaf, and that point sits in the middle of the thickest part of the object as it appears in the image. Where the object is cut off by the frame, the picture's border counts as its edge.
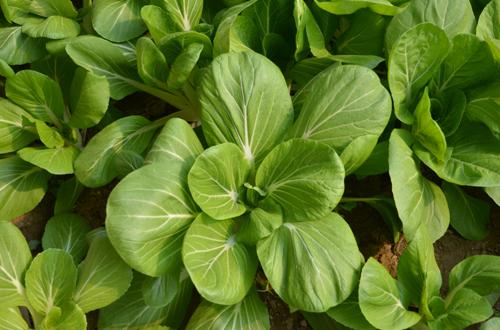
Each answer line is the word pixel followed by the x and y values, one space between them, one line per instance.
pixel 487 25
pixel 103 277
pixel 380 299
pixel 305 178
pixel 425 129
pixel 448 110
pixel 483 105
pixel 126 23
pixel 494 193
pixel 37 94
pixel 184 65
pixel 174 44
pixel 177 309
pixel 17 48
pixel 479 273
pixel 244 100
pixel 49 136
pixel 452 16
pixel 184 14
pixel 155 202
pixel 57 161
pixel 387 209
pixel 472 157
pixel 15 257
pixel 68 316
pixel 11 319
pixel 14 133
pixel 53 27
pixel 328 112
pixel 160 291
pixel 346 7
pixel 221 269
pixel 5 70
pixel 259 223
pixel 67 232
pixel 465 309
pixel 469 216
pixel 491 324
pixel 216 181
pixel 158 21
pixel 94 166
pixel 89 99
pixel 348 313
pixel 419 201
pixel 377 163
pixel 413 61
pixel 22 187
pixel 312 265
pixel 249 314
pixel 50 280
pixel 48 8
pixel 151 63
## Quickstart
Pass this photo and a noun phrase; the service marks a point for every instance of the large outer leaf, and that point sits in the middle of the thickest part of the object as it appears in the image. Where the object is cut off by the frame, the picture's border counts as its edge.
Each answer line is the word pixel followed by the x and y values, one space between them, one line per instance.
pixel 216 181
pixel 419 201
pixel 15 257
pixel 95 166
pixel 346 7
pixel 118 20
pixel 347 108
pixel 183 14
pixel 306 178
pixel 312 265
pixel 221 268
pixel 244 100
pixel 13 132
pixel 249 314
pixel 22 187
pixel 413 61
pixel 53 27
pixel 349 314
pixel 11 319
pixel 484 102
pixel 488 24
pixel 147 215
pixel 479 273
pixel 453 16
pixel 50 280
pixel 17 48
pixel 380 299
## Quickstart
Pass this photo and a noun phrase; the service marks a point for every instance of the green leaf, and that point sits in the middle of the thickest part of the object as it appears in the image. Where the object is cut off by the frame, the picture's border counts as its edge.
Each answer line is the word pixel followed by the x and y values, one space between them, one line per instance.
pixel 487 25
pixel 325 258
pixel 494 193
pixel 464 309
pixel 151 63
pixel 244 100
pixel 38 94
pixel 15 257
pixel 216 181
pixel 483 105
pixel 184 14
pixel 259 223
pixel 17 48
pixel 11 319
pixel 304 71
pixel 49 136
pixel 174 44
pixel 14 133
pixel 453 16
pixel 67 232
pixel 155 202
pixel 184 65
pixel 249 314
pixel 5 70
pixel 309 36
pixel 479 273
pixel 89 98
pixel 304 177
pixel 22 187
pixel 158 21
pixel 425 129
pixel 491 324
pixel 469 216
pixel 448 110
pixel 126 23
pixel 177 309
pixel 176 145
pixel 377 163
pixel 380 299
pixel 387 209
pixel 67 316
pixel 103 277
pixel 328 112
pixel 94 167
pixel 472 157
pixel 413 61
pixel 53 27
pixel 346 7
pixel 221 269
pixel 57 161
pixel 160 291
pixel 48 8
pixel 50 280
pixel 419 201
pixel 349 314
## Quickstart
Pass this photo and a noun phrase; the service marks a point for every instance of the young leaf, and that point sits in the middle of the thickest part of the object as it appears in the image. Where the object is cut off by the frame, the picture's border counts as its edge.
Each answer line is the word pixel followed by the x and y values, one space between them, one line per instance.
pixel 380 299
pixel 304 177
pixel 11 319
pixel 14 134
pixel 245 100
pixel 22 187
pixel 259 223
pixel 151 63
pixel 158 21
pixel 326 262
pixel 249 314
pixel 63 317
pixel 160 291
pixel 5 69
pixel 17 48
pixel 49 136
pixel 89 99
pixel 67 232
pixel 53 27
pixel 174 44
pixel 50 280
pixel 184 14
pixel 184 65
pixel 126 22
pixel 15 257
pixel 419 201
pixel 221 269
pixel 216 181
pixel 349 314
pixel 449 109
pixel 413 61
pixel 346 7
pixel 479 273
pixel 57 161
pixel 155 202
pixel 377 163
pixel 487 25
pixel 483 105
pixel 103 277
pixel 94 167
pixel 328 111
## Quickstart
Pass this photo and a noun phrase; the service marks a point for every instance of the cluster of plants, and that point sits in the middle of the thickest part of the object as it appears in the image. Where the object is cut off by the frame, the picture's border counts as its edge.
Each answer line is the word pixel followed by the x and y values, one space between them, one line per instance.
pixel 238 189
